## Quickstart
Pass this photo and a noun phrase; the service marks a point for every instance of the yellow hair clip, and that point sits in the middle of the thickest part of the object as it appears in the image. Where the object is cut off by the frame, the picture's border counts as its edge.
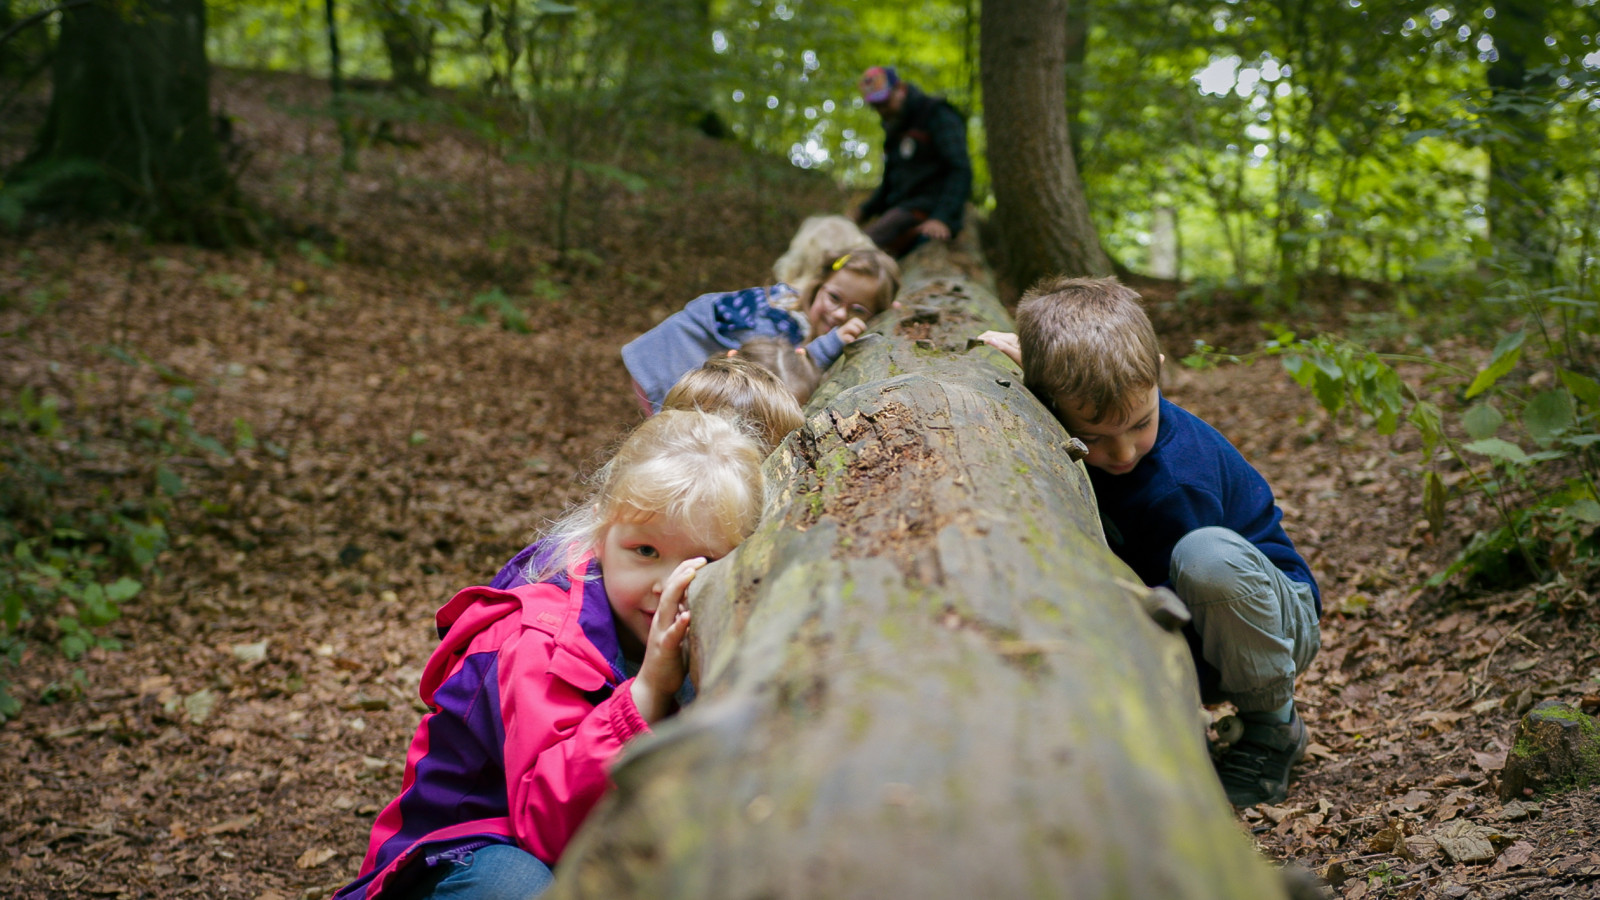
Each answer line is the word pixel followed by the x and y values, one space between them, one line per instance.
pixel 839 263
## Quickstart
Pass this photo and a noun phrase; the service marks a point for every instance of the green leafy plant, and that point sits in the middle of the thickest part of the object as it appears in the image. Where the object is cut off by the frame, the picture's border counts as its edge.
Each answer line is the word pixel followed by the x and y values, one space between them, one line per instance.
pixel 511 314
pixel 65 570
pixel 1524 431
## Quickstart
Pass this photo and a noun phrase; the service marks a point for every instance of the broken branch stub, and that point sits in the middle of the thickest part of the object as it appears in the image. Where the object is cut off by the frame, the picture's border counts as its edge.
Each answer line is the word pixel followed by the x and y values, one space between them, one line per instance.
pixel 925 674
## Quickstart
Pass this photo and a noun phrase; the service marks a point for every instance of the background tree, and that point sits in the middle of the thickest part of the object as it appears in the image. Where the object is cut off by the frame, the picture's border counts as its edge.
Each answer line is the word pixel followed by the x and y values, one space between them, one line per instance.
pixel 1041 215
pixel 129 129
pixel 1520 78
pixel 408 30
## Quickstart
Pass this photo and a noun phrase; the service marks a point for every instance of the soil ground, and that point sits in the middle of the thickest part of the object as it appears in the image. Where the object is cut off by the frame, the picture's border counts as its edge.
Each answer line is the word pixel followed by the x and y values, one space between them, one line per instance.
pixel 407 442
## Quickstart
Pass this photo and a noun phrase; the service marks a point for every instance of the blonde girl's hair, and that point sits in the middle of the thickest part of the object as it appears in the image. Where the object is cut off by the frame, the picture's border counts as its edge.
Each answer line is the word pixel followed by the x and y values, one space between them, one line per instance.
pixel 871 262
pixel 794 369
pixel 744 387
pixel 688 466
pixel 1088 342
pixel 816 237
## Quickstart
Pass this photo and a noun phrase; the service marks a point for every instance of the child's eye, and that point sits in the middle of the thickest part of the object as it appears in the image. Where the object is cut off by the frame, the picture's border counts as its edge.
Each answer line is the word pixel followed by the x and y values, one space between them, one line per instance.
pixel 647 551
pixel 1089 440
pixel 857 309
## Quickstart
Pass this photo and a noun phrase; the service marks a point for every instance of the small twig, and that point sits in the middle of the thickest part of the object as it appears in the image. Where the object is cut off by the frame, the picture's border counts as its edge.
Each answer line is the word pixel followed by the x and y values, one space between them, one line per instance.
pixel 1524 638
pixel 1483 668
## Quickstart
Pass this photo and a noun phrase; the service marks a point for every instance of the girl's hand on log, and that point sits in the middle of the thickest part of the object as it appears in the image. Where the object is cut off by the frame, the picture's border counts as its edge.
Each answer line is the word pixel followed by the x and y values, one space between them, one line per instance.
pixel 665 665
pixel 1004 341
pixel 851 330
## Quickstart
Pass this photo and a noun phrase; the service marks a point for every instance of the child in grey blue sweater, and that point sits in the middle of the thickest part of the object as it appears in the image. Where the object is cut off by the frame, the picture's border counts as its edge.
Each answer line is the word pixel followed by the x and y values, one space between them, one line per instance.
pixel 828 310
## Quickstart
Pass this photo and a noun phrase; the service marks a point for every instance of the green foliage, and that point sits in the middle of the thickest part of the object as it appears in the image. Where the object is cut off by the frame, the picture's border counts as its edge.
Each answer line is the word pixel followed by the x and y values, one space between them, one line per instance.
pixel 1525 428
pixel 65 569
pixel 511 315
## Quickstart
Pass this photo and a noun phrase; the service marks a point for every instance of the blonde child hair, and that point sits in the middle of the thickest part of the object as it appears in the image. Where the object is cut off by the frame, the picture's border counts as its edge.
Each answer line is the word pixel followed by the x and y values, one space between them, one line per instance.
pixel 1087 342
pixel 817 237
pixel 696 467
pixel 742 386
pixel 794 370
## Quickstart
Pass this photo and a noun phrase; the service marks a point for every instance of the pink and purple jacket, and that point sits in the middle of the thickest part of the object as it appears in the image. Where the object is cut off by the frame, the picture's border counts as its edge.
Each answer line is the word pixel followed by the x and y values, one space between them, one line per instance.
pixel 529 707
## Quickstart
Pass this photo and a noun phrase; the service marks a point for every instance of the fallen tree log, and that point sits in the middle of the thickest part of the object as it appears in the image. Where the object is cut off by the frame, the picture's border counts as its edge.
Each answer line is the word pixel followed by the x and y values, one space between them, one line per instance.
pixel 925 675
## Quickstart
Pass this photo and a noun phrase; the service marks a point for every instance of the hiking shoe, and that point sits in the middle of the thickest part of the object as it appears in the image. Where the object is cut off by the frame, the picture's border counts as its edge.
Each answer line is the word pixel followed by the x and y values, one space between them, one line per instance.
pixel 1256 768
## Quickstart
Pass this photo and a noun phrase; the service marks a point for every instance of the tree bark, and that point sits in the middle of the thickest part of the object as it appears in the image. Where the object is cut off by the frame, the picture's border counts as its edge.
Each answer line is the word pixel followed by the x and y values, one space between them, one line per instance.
pixel 925 675
pixel 341 115
pixel 129 130
pixel 1521 176
pixel 670 59
pixel 408 41
pixel 1041 215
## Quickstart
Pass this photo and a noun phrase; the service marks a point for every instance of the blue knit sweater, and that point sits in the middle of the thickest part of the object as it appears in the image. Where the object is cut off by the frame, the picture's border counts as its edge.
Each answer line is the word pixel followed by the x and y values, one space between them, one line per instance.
pixel 1190 479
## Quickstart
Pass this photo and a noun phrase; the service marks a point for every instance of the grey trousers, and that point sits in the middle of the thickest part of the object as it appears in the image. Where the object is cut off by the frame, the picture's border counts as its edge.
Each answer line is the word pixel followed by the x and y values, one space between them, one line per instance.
pixel 1256 628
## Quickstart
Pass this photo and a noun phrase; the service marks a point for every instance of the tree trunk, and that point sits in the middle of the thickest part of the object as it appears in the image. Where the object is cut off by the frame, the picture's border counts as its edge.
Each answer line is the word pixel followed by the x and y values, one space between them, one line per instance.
pixel 129 130
pixel 670 60
pixel 1521 176
pixel 925 675
pixel 409 43
pixel 1040 212
pixel 341 114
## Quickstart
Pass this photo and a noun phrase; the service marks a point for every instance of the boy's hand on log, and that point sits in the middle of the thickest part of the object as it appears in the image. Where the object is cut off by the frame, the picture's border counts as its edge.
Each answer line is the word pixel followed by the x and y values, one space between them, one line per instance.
pixel 1005 342
pixel 851 330
pixel 665 663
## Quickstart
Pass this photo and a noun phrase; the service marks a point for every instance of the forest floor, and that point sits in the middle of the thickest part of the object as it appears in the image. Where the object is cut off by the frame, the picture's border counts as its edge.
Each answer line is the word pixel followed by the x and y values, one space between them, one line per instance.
pixel 391 434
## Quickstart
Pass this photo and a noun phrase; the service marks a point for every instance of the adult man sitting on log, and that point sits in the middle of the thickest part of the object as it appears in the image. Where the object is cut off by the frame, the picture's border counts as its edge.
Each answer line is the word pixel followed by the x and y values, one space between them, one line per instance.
pixel 927 175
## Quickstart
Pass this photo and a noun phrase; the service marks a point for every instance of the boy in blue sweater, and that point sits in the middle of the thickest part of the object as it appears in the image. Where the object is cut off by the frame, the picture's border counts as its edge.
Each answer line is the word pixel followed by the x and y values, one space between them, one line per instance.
pixel 1183 509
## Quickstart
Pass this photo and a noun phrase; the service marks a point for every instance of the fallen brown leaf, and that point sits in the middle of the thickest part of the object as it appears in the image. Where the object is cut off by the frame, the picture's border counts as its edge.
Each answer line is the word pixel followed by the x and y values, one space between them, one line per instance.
pixel 314 857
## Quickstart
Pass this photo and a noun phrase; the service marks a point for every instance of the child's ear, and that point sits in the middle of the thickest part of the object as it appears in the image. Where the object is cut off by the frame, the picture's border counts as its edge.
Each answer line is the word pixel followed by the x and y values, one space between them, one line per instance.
pixel 733 353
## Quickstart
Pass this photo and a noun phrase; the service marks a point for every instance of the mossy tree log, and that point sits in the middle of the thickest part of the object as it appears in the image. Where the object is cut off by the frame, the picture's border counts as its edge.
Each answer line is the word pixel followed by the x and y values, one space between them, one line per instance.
pixel 925 675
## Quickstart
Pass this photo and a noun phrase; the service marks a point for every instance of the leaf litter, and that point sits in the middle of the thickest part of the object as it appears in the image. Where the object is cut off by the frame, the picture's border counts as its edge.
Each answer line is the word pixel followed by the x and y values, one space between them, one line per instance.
pixel 382 452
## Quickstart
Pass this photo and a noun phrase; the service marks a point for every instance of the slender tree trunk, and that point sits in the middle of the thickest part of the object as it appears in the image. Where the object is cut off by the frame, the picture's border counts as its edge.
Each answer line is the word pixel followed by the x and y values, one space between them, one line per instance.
pixel 129 129
pixel 1041 214
pixel 341 115
pixel 925 675
pixel 1521 172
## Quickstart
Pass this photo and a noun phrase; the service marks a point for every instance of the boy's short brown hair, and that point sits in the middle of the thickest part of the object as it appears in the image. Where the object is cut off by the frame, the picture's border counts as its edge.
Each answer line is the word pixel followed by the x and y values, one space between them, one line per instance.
pixel 1087 342
pixel 743 389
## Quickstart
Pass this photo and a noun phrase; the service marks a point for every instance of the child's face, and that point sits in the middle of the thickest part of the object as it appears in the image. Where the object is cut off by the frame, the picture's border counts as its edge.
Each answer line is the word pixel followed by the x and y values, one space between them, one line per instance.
pixel 1115 447
pixel 844 295
pixel 636 555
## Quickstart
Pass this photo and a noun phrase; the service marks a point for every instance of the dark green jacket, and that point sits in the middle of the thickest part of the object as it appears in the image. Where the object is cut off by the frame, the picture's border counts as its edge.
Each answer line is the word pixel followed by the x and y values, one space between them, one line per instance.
pixel 925 163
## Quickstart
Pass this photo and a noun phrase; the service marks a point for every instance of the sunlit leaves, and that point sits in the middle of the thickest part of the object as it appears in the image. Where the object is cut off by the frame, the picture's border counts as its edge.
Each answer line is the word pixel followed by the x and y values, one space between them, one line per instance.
pixel 1506 355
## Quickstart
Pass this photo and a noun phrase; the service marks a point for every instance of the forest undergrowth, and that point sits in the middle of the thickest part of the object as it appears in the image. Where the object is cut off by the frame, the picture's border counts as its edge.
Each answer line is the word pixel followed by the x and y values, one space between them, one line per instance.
pixel 279 461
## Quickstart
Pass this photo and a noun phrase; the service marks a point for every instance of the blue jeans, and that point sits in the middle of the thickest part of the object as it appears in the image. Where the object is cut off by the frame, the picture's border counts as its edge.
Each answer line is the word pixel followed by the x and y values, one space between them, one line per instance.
pixel 495 872
pixel 1254 628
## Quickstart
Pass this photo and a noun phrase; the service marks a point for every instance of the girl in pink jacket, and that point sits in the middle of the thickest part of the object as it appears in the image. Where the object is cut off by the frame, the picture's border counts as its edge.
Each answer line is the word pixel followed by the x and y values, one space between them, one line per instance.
pixel 534 689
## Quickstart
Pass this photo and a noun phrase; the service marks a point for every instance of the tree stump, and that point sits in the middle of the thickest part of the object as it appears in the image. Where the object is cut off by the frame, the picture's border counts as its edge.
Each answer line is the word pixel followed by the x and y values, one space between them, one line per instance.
pixel 925 675
pixel 1556 747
